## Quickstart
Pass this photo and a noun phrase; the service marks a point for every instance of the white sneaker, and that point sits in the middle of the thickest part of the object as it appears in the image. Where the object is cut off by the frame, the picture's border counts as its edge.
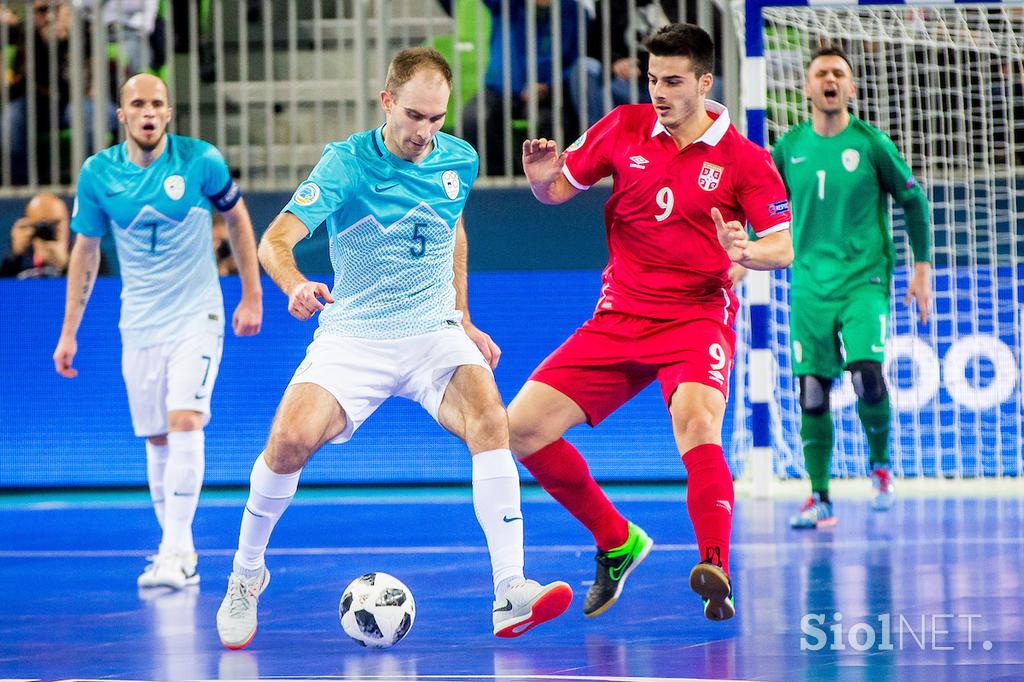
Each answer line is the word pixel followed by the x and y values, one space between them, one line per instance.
pixel 529 604
pixel 170 570
pixel 236 617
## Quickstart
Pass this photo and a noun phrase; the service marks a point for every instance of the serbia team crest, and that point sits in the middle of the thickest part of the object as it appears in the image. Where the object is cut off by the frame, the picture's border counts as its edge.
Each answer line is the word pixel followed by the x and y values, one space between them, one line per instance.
pixel 174 186
pixel 450 180
pixel 710 176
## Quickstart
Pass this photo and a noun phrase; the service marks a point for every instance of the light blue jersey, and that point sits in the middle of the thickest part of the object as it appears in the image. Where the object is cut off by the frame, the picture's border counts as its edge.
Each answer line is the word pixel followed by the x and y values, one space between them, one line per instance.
pixel 391 225
pixel 161 220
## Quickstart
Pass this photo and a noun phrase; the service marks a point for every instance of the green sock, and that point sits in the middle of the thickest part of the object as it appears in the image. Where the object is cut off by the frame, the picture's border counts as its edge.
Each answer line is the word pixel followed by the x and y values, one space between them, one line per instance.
pixel 877 421
pixel 816 436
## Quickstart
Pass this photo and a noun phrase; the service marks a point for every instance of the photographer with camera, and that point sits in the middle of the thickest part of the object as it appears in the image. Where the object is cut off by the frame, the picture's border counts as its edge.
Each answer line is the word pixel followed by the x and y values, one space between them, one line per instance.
pixel 39 240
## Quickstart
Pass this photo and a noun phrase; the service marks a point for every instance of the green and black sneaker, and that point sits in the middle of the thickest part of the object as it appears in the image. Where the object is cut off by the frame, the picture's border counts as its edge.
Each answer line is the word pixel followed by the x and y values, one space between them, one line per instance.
pixel 715 588
pixel 613 567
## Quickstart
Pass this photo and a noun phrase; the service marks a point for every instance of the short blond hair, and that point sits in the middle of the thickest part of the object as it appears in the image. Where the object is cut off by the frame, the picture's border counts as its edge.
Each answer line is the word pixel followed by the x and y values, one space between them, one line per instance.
pixel 407 62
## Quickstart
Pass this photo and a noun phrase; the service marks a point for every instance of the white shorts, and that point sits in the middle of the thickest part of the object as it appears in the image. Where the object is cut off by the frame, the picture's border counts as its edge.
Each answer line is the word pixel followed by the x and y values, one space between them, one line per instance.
pixel 176 375
pixel 363 373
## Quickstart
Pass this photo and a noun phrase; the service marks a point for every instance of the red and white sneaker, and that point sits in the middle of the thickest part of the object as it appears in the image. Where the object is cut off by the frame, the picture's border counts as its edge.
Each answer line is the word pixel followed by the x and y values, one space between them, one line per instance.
pixel 527 605
pixel 881 481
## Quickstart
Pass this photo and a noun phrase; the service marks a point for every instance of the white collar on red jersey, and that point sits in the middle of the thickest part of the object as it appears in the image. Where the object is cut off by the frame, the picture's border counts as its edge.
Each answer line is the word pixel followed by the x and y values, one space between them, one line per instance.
pixel 712 135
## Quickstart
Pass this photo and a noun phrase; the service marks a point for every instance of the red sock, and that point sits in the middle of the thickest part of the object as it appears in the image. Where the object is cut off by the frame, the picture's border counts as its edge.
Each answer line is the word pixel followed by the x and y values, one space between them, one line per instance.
pixel 709 499
pixel 562 471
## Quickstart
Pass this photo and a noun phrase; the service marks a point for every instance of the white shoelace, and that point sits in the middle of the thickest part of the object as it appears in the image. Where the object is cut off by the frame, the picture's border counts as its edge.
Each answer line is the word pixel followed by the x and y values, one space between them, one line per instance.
pixel 240 592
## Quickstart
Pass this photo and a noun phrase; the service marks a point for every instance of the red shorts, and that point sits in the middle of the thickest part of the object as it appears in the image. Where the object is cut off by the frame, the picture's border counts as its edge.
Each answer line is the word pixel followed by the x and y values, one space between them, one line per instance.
pixel 614 356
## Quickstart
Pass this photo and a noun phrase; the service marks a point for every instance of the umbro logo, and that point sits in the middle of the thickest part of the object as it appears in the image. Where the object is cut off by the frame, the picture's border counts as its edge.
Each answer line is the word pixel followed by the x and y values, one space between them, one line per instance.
pixel 638 162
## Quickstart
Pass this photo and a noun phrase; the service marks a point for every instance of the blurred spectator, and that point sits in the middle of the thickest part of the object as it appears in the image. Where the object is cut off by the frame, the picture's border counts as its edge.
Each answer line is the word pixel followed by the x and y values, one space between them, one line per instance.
pixel 222 247
pixel 491 98
pixel 624 33
pixel 51 20
pixel 130 24
pixel 39 240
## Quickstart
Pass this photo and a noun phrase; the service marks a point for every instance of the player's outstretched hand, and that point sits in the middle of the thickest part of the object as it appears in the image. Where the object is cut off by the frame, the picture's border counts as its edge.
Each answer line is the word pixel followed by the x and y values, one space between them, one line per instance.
pixel 731 236
pixel 488 348
pixel 919 288
pixel 248 317
pixel 67 347
pixel 541 161
pixel 305 299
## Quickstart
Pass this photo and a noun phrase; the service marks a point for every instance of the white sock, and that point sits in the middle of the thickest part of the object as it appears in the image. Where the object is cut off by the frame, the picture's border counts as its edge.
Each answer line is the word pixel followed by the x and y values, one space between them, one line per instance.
pixel 269 495
pixel 156 463
pixel 496 503
pixel 183 479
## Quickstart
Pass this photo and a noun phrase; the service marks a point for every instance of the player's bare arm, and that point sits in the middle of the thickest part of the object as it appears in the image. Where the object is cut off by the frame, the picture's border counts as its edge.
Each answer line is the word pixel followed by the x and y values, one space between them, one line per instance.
pixel 919 288
pixel 770 252
pixel 543 167
pixel 248 316
pixel 460 258
pixel 305 298
pixel 82 269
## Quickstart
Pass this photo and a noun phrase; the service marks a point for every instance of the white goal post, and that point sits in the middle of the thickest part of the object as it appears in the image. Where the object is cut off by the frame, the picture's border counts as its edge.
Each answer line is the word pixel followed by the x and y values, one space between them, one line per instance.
pixel 946 82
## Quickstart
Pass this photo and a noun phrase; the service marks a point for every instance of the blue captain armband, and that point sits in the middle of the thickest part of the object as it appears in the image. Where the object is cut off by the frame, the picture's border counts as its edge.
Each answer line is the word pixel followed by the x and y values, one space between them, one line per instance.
pixel 226 199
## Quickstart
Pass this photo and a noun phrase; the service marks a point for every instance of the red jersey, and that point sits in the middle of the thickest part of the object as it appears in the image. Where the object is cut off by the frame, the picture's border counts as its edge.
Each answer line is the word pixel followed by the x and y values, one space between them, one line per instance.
pixel 663 245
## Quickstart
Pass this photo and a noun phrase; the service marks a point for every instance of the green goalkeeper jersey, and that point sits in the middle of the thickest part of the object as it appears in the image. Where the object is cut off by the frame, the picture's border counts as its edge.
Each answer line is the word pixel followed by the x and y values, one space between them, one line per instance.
pixel 837 188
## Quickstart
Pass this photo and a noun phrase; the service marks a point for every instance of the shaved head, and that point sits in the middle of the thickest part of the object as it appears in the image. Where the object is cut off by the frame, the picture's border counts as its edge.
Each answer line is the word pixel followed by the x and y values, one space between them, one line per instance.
pixel 142 83
pixel 46 208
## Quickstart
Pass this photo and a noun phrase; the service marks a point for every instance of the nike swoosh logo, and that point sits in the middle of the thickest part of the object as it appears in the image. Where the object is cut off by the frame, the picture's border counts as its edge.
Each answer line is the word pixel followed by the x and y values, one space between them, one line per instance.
pixel 384 188
pixel 200 397
pixel 797 159
pixel 259 516
pixel 615 572
pixel 510 519
pixel 111 191
pixel 506 607
pixel 877 349
pixel 177 494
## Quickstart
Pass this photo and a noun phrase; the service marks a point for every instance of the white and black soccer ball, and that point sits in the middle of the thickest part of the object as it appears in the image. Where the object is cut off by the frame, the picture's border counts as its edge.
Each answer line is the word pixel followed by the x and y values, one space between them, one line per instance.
pixel 377 610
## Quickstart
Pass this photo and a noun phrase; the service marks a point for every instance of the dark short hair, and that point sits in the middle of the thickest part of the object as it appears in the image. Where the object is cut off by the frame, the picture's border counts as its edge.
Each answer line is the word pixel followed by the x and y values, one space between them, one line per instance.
pixel 407 62
pixel 830 51
pixel 684 40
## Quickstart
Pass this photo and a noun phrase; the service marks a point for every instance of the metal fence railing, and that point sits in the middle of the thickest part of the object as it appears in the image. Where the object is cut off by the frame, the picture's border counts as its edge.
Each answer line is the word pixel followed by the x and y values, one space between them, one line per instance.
pixel 270 82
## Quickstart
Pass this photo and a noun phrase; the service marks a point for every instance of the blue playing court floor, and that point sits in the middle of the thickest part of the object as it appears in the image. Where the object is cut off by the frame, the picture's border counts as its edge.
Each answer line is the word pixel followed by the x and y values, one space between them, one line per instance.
pixel 933 590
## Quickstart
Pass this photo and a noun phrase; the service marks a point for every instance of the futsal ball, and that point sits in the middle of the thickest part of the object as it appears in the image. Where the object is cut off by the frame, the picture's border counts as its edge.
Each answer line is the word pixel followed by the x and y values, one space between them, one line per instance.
pixel 377 610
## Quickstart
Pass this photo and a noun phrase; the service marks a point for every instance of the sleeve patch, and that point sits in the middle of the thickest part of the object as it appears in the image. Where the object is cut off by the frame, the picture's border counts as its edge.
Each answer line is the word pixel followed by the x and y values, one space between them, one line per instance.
pixel 307 194
pixel 778 208
pixel 580 141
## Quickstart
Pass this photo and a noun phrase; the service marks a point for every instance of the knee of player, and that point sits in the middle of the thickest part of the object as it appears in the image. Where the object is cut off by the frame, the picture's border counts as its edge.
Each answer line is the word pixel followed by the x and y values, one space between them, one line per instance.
pixel 489 422
pixel 696 423
pixel 814 394
pixel 185 420
pixel 868 381
pixel 525 435
pixel 288 447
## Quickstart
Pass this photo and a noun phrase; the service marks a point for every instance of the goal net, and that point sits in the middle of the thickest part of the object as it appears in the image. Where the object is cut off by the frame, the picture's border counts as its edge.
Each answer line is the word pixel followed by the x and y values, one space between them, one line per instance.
pixel 947 84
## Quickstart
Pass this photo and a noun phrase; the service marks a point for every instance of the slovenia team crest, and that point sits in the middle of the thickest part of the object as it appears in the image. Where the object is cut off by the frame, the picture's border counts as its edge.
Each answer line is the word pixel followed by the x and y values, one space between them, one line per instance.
pixel 174 186
pixel 450 180
pixel 710 176
pixel 851 159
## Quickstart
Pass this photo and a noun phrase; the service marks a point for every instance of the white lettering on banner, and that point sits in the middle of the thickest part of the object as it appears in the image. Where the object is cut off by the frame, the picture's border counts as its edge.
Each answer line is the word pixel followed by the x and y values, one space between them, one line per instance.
pixel 963 354
pixel 967 392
